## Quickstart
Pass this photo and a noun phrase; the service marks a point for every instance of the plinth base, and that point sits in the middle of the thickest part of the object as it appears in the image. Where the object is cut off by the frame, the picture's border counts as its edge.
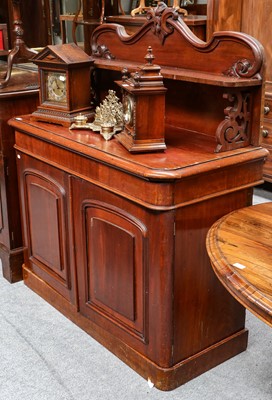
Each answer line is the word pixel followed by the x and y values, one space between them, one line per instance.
pixel 163 378
pixel 12 261
pixel 64 118
pixel 140 146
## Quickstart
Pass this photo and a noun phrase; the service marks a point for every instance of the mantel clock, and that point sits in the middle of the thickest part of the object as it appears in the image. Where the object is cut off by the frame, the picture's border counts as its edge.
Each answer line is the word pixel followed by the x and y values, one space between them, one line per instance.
pixel 65 84
pixel 143 97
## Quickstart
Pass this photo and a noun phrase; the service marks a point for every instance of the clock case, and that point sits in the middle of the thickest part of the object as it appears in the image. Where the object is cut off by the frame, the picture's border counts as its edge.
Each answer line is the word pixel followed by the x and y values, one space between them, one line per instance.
pixel 71 60
pixel 143 92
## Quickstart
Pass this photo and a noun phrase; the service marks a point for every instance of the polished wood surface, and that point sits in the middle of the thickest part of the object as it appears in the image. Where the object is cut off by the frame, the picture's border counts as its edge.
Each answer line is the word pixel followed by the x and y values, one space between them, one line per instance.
pixel 185 156
pixel 223 15
pixel 36 21
pixel 238 16
pixel 267 131
pixel 116 241
pixel 19 97
pixel 19 52
pixel 261 13
pixel 95 195
pixel 239 246
pixel 252 17
pixel 203 72
pixel 72 62
pixel 94 14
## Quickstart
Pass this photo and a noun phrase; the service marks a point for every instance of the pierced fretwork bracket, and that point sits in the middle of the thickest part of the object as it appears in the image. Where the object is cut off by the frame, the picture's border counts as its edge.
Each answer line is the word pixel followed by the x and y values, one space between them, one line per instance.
pixel 233 131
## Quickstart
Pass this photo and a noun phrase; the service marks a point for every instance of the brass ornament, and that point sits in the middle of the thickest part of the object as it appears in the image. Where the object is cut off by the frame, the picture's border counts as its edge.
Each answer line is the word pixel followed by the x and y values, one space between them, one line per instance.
pixel 108 118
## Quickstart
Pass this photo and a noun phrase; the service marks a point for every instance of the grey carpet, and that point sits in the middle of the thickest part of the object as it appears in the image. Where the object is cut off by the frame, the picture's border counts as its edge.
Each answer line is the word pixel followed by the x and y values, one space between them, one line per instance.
pixel 44 356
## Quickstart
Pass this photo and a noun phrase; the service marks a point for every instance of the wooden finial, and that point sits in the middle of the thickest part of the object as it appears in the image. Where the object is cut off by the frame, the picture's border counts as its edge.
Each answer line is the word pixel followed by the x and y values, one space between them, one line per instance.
pixel 149 56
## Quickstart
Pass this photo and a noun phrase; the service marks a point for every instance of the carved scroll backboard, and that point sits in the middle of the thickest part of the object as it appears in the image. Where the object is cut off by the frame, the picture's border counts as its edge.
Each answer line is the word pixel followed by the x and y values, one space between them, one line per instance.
pixel 174 44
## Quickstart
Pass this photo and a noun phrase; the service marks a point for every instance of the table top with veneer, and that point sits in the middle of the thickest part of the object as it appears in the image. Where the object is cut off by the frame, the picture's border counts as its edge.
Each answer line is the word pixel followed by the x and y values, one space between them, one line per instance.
pixel 240 249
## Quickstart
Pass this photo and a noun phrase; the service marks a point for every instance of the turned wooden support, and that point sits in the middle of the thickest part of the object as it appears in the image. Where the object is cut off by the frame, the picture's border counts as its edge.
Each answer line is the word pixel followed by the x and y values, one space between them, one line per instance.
pixel 20 52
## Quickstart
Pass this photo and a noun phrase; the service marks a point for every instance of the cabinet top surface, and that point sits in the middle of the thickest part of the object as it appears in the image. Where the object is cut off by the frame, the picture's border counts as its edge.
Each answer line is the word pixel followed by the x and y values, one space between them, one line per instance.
pixel 24 80
pixel 187 152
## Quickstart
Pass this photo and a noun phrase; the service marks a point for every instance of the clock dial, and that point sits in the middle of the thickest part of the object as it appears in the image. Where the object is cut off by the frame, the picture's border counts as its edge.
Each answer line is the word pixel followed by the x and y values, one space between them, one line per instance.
pixel 128 106
pixel 56 87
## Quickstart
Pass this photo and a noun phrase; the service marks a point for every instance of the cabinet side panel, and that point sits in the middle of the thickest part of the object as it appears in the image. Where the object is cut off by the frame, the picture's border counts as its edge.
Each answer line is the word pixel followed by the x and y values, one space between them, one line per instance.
pixel 223 15
pixel 10 234
pixel 204 311
pixel 261 13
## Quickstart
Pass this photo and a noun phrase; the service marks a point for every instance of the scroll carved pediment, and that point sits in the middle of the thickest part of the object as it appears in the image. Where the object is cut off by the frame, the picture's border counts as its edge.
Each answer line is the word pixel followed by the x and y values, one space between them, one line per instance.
pixel 175 45
pixel 159 17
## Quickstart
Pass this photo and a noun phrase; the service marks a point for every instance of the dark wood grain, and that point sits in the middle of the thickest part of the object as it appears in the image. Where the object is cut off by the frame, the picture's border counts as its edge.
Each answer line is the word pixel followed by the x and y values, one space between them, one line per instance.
pixel 128 262
pixel 225 15
pixel 239 246
pixel 201 67
pixel 36 22
pixel 19 97
pixel 162 288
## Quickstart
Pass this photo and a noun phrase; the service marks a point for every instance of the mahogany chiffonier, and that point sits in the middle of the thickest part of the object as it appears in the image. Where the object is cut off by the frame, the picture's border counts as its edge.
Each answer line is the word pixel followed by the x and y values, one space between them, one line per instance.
pixel 116 240
pixel 19 97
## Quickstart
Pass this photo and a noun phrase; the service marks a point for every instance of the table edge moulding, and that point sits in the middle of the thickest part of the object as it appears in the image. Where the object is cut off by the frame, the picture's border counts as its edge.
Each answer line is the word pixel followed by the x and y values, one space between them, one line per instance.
pixel 239 246
pixel 114 239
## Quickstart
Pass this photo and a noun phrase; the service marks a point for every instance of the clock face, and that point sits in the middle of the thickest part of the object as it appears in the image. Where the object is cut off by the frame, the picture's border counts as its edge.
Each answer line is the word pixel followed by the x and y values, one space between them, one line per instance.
pixel 128 107
pixel 56 87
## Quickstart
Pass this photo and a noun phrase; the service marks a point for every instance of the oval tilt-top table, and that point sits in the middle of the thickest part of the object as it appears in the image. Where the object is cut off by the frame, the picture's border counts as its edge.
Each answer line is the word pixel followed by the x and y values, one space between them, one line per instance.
pixel 240 249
